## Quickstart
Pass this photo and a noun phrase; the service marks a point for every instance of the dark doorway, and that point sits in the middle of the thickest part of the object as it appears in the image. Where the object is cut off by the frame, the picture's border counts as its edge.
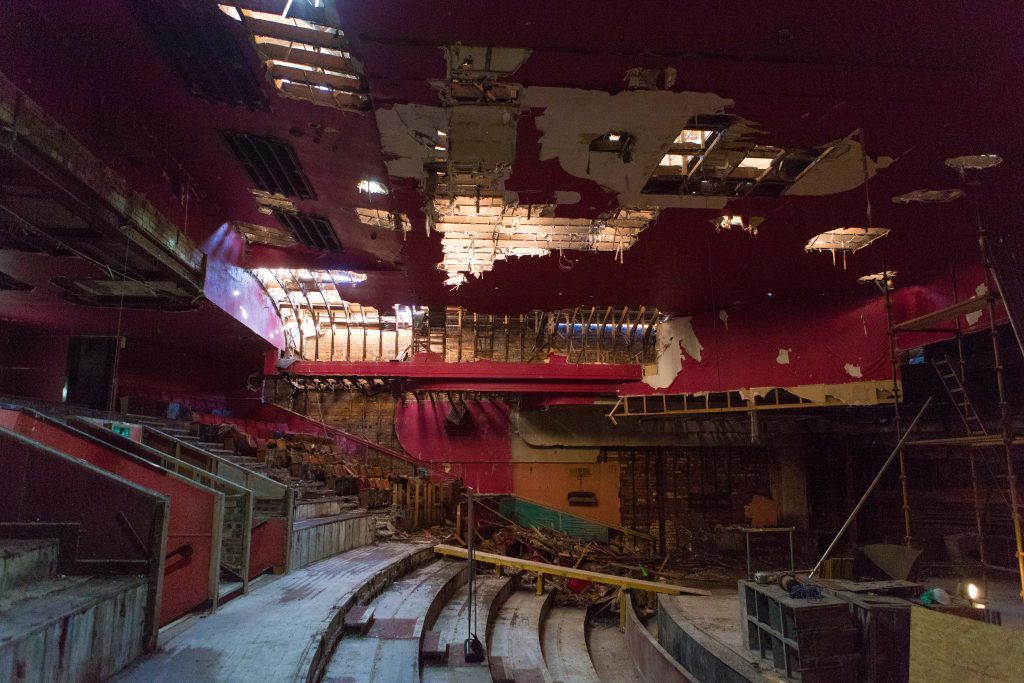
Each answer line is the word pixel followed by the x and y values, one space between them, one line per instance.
pixel 91 371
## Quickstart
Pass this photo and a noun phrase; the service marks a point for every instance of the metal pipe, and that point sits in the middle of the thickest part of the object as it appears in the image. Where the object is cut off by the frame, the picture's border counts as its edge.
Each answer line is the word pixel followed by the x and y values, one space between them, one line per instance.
pixel 871 488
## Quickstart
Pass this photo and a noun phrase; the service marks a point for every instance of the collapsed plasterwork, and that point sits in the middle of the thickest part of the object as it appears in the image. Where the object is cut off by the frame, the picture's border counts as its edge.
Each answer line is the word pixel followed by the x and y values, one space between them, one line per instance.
pixel 675 338
pixel 572 118
pixel 841 170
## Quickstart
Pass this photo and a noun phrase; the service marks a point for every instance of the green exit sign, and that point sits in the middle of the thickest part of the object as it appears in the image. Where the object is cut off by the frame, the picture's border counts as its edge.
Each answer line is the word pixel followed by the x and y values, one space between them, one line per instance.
pixel 121 429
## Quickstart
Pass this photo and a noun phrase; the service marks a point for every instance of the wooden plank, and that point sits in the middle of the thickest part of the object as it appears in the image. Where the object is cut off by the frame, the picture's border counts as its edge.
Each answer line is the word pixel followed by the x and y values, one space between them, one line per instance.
pixel 947 314
pixel 945 647
pixel 570 572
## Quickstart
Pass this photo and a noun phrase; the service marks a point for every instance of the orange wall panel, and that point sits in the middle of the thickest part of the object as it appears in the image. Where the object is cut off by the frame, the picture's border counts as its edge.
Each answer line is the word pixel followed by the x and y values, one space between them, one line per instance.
pixel 549 483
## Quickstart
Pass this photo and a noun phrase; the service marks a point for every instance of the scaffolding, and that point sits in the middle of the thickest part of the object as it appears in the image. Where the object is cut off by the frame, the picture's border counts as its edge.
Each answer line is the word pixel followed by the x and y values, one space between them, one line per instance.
pixel 978 440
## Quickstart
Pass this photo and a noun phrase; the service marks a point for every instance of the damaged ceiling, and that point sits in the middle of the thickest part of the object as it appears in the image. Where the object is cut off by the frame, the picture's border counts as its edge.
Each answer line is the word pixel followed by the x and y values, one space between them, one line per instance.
pixel 608 147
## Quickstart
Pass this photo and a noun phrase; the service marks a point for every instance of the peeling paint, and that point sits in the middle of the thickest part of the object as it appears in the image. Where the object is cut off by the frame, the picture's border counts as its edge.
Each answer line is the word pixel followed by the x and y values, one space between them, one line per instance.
pixel 783 357
pixel 723 315
pixel 864 324
pixel 853 370
pixel 670 361
pixel 841 170
pixel 676 340
pixel 973 317
pixel 688 338
pixel 567 197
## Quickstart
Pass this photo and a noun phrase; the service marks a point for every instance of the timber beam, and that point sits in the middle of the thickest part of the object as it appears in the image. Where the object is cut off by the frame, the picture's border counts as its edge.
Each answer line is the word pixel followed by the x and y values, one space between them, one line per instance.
pixel 543 568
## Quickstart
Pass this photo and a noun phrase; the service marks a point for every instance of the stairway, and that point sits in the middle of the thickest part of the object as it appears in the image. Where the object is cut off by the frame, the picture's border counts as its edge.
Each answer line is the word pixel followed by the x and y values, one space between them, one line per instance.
pixel 515 644
pixel 610 656
pixel 64 628
pixel 179 430
pixel 387 633
pixel 443 646
pixel 566 653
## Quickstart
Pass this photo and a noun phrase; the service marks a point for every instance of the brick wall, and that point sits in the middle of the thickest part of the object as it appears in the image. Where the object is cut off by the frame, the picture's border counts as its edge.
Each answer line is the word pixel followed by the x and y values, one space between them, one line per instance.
pixel 699 488
pixel 371 417
pixel 233 532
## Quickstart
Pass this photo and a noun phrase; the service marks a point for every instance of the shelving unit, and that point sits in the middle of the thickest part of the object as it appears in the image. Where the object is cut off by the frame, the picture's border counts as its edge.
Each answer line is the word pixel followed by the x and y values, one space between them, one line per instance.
pixel 810 640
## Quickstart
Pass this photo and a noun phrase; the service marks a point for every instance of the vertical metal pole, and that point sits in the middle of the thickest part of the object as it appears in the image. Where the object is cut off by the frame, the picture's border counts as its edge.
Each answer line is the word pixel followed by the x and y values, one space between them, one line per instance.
pixel 897 400
pixel 962 365
pixel 747 535
pixel 871 488
pixel 1004 408
pixel 469 554
pixel 792 560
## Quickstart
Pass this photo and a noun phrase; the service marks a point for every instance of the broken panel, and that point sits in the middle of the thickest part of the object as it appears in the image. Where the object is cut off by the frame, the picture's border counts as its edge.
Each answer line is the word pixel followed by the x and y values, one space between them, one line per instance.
pixel 260 234
pixel 387 220
pixel 314 232
pixel 712 156
pixel 845 239
pixel 305 59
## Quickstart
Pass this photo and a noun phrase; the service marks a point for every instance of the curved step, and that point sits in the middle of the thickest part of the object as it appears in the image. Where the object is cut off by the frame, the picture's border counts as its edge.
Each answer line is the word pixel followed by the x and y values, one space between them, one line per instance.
pixel 390 650
pixel 443 647
pixel 71 628
pixel 515 651
pixel 22 561
pixel 565 646
pixel 610 657
pixel 283 628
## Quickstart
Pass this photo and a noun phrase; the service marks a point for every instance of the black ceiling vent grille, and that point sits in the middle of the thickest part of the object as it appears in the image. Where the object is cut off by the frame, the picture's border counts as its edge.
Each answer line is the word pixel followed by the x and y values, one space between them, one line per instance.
pixel 14 284
pixel 195 38
pixel 313 231
pixel 271 164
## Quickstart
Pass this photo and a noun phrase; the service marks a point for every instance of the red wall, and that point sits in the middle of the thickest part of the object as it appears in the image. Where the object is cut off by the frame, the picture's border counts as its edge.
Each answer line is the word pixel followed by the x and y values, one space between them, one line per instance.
pixel 192 509
pixel 822 335
pixel 33 362
pixel 482 459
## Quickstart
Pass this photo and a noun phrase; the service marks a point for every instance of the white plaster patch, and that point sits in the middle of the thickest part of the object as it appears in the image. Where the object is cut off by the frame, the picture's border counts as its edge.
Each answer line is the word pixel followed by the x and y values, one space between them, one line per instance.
pixel 723 315
pixel 572 118
pixel 688 337
pixel 853 370
pixel 841 170
pixel 783 357
pixel 405 133
pixel 567 197
pixel 670 360
pixel 973 317
pixel 671 335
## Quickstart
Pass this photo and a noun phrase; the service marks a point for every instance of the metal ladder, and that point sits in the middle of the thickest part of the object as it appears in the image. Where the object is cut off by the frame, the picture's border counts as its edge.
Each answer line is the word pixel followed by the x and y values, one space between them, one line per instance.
pixel 955 388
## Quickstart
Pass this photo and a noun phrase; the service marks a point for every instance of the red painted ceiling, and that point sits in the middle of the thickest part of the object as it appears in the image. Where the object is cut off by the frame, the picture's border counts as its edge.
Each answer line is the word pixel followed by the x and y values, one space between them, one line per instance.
pixel 923 80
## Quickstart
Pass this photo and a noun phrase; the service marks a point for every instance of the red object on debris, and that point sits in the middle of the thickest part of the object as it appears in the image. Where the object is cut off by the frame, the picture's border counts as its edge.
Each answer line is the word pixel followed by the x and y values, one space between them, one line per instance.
pixel 577 585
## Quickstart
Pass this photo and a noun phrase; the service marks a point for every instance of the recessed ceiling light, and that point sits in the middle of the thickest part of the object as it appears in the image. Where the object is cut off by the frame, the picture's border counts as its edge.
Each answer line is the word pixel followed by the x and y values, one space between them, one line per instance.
pixel 372 187
pixel 614 137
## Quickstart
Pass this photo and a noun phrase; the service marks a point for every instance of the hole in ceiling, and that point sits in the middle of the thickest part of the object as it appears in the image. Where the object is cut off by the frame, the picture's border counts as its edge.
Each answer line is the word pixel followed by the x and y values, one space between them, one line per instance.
pixel 260 234
pixel 271 164
pixel 304 59
pixel 193 38
pixel 710 157
pixel 371 187
pixel 314 232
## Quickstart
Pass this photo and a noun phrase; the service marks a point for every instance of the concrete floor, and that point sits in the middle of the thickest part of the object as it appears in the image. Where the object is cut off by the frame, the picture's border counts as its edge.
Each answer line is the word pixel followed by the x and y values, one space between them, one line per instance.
pixel 265 635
